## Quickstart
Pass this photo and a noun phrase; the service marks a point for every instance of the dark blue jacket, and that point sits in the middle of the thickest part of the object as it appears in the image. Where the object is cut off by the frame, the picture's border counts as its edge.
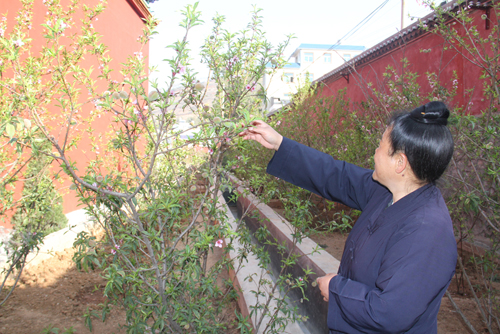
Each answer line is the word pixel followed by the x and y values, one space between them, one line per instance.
pixel 398 259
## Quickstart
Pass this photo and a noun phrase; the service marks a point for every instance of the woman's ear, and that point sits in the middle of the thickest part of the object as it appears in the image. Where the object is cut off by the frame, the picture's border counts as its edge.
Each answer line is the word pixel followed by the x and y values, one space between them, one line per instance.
pixel 401 162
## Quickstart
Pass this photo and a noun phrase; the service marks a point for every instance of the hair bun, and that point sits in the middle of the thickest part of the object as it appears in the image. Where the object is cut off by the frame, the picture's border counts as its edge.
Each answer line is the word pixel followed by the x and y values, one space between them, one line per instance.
pixel 434 112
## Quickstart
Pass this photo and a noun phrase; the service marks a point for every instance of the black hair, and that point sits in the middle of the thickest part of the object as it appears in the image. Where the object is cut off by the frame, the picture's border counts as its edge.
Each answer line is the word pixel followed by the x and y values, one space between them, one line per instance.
pixel 422 135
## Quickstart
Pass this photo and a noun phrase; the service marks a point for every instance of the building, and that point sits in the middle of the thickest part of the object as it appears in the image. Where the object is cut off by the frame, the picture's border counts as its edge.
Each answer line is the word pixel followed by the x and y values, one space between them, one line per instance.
pixel 425 52
pixel 306 64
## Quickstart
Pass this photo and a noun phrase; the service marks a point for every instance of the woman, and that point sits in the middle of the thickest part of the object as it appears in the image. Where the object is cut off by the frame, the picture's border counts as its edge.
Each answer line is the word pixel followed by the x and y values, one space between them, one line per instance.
pixel 401 254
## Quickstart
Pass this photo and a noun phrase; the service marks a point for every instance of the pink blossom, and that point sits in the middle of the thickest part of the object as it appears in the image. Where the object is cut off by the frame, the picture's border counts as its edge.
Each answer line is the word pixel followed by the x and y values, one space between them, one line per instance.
pixel 117 246
pixel 248 87
pixel 182 69
pixel 113 251
pixel 278 123
pixel 139 55
pixel 218 243
pixel 18 43
pixel 210 151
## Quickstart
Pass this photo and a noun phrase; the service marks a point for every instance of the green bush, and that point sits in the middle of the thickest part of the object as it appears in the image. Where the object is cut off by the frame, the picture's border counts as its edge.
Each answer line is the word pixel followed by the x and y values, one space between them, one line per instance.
pixel 40 208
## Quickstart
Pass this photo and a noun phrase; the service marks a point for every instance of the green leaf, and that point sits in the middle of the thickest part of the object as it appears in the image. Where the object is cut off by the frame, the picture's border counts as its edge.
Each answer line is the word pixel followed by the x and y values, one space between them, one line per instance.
pixel 10 129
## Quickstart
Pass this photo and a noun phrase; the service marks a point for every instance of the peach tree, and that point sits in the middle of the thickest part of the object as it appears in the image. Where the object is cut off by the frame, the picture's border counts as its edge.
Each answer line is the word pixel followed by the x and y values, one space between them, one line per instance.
pixel 151 186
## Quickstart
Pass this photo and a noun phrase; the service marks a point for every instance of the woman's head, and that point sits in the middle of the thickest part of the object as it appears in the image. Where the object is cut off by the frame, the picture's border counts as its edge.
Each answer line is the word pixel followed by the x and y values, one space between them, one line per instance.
pixel 422 135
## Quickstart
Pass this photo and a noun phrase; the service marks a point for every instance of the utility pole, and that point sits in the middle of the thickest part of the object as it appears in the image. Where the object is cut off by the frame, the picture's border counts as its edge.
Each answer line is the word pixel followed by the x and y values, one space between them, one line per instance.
pixel 402 13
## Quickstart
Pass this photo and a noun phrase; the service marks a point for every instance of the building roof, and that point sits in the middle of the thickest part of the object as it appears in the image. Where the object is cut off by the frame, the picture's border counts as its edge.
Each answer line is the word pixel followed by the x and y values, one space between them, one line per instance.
pixel 327 47
pixel 292 65
pixel 397 40
pixel 140 8
pixel 331 47
pixel 287 65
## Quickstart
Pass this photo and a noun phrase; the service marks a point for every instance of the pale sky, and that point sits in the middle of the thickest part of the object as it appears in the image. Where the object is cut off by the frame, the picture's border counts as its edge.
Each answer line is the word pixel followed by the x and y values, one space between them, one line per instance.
pixel 310 21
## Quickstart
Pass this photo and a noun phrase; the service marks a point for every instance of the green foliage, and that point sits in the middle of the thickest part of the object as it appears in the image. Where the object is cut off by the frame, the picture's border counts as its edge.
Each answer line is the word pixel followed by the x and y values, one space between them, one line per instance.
pixel 40 208
pixel 54 330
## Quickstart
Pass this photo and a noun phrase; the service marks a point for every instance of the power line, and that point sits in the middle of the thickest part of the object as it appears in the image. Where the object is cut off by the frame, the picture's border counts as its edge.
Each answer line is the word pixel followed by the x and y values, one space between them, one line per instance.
pixel 352 31
pixel 349 34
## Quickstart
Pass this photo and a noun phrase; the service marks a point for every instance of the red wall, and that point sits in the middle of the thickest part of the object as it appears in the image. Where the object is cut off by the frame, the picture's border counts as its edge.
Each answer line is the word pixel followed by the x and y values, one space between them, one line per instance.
pixel 438 60
pixel 120 25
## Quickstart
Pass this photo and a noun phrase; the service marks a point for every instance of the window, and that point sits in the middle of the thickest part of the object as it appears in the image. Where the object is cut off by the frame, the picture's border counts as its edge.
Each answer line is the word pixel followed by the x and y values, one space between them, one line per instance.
pixel 288 77
pixel 347 57
pixel 308 57
pixel 309 77
pixel 327 57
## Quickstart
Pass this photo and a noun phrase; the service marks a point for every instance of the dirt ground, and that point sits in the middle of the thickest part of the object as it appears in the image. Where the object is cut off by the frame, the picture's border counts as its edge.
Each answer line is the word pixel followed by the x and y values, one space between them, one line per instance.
pixel 56 293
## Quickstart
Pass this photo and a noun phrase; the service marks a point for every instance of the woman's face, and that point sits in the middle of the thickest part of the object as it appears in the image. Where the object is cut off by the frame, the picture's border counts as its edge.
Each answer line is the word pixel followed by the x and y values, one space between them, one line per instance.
pixel 384 162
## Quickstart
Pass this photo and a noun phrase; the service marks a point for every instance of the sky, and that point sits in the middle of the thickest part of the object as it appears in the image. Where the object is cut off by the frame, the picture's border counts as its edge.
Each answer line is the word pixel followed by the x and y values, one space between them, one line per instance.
pixel 310 21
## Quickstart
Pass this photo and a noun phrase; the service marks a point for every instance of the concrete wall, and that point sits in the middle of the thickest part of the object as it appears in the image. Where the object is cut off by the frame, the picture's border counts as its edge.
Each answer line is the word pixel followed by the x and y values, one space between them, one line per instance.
pixel 310 256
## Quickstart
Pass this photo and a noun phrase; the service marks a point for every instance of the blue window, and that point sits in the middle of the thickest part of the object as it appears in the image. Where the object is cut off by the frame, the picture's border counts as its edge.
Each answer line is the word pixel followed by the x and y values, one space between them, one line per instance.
pixel 288 77
pixel 327 57
pixel 347 57
pixel 308 57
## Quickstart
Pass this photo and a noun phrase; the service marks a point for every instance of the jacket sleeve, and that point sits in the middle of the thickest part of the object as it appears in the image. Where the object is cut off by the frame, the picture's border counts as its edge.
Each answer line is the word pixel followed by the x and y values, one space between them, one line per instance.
pixel 321 174
pixel 416 270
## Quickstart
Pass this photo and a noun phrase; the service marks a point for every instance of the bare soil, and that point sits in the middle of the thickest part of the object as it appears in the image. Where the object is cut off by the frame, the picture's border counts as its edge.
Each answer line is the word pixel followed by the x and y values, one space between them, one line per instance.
pixel 56 293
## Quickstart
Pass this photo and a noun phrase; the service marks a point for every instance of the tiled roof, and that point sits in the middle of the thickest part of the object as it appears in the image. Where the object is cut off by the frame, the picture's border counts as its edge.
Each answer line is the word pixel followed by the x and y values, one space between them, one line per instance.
pixel 396 41
pixel 140 8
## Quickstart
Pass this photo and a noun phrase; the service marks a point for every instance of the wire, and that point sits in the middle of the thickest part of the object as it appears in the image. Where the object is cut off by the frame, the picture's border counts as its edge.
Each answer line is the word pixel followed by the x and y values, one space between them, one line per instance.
pixel 349 34
pixel 352 31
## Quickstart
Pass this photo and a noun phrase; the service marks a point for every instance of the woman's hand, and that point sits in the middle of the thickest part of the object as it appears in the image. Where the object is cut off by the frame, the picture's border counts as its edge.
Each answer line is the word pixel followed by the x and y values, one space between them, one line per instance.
pixel 324 285
pixel 264 134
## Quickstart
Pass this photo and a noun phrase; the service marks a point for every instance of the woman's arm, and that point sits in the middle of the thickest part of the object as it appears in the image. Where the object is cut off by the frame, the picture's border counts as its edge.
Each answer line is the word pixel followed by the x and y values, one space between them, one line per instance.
pixel 313 170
